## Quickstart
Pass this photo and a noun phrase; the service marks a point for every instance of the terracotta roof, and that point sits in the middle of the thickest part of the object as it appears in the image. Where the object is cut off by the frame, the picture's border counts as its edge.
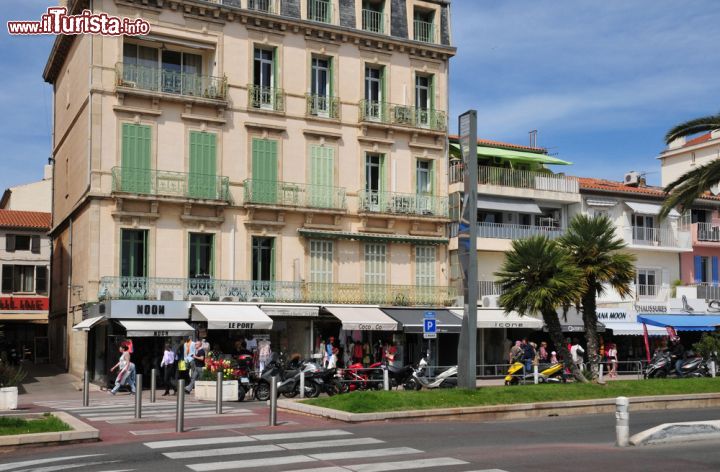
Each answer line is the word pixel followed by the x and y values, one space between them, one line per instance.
pixel 587 183
pixel 698 140
pixel 25 219
pixel 500 144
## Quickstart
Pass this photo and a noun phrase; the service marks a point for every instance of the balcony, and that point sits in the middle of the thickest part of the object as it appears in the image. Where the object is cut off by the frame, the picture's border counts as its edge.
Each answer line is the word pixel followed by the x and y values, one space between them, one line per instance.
pixel 265 6
pixel 511 231
pixel 275 193
pixel 320 11
pixel 488 287
pixel 671 239
pixel 524 179
pixel 424 31
pixel 373 21
pixel 705 234
pixel 322 106
pixel 408 204
pixel 402 115
pixel 132 78
pixel 266 98
pixel 170 184
pixel 151 288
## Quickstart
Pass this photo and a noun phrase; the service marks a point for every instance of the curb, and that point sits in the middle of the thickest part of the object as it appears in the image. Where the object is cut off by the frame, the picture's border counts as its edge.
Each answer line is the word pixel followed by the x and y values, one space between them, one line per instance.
pixel 80 432
pixel 678 432
pixel 514 411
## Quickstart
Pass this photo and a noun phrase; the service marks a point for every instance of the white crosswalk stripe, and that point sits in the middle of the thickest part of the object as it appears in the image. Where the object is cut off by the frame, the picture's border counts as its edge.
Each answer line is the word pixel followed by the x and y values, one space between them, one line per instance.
pixel 280 449
pixel 21 464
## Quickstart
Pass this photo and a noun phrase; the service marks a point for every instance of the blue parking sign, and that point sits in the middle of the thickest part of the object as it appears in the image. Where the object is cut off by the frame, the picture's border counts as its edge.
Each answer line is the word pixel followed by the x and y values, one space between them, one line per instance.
pixel 429 325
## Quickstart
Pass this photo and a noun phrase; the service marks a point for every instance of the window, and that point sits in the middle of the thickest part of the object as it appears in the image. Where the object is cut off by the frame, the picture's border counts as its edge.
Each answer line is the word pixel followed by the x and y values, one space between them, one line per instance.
pixel 375 272
pixel 598 212
pixel 423 99
pixel 425 260
pixel 423 25
pixel 320 85
pixel 21 278
pixel 201 256
pixel 423 172
pixel 374 84
pixel 179 70
pixel 374 172
pixel 135 175
pixel 202 181
pixel 647 282
pixel 706 270
pixel 264 78
pixel 321 262
pixel 320 10
pixel 41 279
pixel 644 228
pixel 22 242
pixel 372 16
pixel 260 5
pixel 133 253
pixel 263 258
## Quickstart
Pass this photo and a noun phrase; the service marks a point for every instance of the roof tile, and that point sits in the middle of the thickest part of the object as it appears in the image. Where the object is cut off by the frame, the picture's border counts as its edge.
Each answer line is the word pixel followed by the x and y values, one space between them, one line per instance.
pixel 588 183
pixel 25 219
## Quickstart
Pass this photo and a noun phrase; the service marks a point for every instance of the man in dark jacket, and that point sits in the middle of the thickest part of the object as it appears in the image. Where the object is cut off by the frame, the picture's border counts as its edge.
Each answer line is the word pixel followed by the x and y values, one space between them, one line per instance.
pixel 677 350
pixel 528 355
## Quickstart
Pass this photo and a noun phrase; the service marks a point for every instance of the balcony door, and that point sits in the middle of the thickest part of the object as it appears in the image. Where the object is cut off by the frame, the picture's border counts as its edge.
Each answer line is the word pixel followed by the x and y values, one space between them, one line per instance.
pixel 320 86
pixel 374 93
pixel 140 67
pixel 264 171
pixel 423 99
pixel 264 78
pixel 644 228
pixel 133 263
pixel 321 269
pixel 648 283
pixel 263 266
pixel 181 72
pixel 135 174
pixel 203 181
pixel 374 182
pixel 322 172
pixel 424 183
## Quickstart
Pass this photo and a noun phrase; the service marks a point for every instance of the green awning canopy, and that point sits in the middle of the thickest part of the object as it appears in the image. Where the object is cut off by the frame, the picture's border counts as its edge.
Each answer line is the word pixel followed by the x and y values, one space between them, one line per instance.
pixel 379 237
pixel 517 156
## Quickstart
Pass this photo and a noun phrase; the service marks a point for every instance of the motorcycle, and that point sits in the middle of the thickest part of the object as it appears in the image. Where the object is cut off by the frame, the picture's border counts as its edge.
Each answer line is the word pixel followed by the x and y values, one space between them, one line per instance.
pixel 663 365
pixel 326 380
pixel 353 377
pixel 547 373
pixel 396 375
pixel 288 383
pixel 446 379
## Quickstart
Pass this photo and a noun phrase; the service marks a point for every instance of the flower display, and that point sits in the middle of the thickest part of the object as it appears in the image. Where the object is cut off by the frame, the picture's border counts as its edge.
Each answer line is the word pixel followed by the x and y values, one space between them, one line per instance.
pixel 228 367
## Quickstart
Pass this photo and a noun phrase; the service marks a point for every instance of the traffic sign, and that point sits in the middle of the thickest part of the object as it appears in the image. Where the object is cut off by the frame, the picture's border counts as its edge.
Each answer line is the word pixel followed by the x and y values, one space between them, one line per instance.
pixel 429 325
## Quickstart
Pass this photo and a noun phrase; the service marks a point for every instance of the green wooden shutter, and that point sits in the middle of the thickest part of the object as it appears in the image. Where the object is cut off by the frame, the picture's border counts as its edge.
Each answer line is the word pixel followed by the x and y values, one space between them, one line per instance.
pixel 264 171
pixel 331 73
pixel 203 166
pixel 321 176
pixel 383 112
pixel 135 158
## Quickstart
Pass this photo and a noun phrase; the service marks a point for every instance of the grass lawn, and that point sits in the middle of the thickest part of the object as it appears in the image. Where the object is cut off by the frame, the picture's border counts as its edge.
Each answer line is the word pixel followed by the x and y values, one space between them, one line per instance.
pixel 45 424
pixel 377 401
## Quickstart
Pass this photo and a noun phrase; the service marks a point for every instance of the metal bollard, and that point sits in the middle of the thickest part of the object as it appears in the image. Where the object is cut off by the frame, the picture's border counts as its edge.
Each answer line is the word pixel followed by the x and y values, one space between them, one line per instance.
pixel 153 385
pixel 622 421
pixel 713 369
pixel 273 401
pixel 219 393
pixel 302 385
pixel 601 373
pixel 138 396
pixel 180 407
pixel 386 379
pixel 86 389
pixel 535 374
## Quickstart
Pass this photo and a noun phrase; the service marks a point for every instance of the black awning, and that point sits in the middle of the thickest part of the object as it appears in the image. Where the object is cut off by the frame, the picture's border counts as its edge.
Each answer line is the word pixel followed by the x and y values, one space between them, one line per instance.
pixel 411 319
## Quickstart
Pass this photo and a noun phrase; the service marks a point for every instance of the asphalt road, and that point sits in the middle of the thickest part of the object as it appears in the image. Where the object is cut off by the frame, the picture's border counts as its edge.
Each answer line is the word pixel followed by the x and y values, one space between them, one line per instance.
pixel 580 443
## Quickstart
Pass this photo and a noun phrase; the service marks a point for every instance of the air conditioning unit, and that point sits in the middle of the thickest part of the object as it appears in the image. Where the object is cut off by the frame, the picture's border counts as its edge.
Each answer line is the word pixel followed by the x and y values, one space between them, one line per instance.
pixel 491 301
pixel 403 115
pixel 168 295
pixel 632 179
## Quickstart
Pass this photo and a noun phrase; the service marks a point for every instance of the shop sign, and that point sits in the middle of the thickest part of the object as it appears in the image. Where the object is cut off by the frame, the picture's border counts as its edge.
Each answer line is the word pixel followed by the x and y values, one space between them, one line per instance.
pixel 24 304
pixel 240 325
pixel 147 309
pixel 612 315
pixel 291 311
pixel 650 308
pixel 369 327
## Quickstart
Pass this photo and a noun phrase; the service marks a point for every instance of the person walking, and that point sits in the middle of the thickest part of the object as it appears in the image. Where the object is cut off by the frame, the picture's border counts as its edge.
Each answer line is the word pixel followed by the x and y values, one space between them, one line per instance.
pixel 168 366
pixel 198 365
pixel 528 355
pixel 543 353
pixel 515 352
pixel 126 372
pixel 612 360
pixel 576 352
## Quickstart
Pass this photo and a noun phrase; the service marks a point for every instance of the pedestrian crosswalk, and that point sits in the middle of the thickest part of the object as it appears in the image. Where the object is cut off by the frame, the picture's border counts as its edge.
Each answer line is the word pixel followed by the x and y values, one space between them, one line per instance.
pixel 95 462
pixel 122 410
pixel 328 450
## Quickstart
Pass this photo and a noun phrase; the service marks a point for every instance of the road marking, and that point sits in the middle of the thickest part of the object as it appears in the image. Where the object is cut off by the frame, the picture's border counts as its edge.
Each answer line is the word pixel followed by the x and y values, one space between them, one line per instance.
pixel 302 434
pixel 147 417
pixel 402 465
pixel 246 464
pixel 17 465
pixel 390 451
pixel 320 469
pixel 197 442
pixel 215 427
pixel 330 443
pixel 227 451
pixel 54 468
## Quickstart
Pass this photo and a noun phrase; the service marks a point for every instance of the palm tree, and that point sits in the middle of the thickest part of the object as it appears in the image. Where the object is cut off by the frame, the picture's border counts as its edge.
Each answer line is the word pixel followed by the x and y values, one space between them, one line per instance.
pixel 538 277
pixel 683 192
pixel 593 247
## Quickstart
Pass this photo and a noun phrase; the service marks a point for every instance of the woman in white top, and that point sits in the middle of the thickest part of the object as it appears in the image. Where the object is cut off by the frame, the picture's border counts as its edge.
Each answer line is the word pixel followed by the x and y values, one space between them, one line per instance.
pixel 612 359
pixel 125 374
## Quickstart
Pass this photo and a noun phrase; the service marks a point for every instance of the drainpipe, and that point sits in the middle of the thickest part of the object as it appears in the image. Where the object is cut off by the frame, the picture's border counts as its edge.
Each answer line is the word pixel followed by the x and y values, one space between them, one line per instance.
pixel 69 294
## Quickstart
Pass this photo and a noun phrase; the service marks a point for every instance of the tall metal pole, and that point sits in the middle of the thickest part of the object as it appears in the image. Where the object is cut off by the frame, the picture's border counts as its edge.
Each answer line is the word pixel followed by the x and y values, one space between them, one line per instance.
pixel 273 401
pixel 138 396
pixel 219 393
pixel 153 385
pixel 467 252
pixel 86 389
pixel 180 407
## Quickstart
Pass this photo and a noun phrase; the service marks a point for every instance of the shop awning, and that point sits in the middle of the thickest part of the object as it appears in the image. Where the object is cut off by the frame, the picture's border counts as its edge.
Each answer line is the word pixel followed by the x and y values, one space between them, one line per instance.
pixel 652 209
pixel 507 204
pixel 633 329
pixel 87 324
pixel 411 319
pixel 497 318
pixel 154 328
pixel 682 322
pixel 510 155
pixel 291 311
pixel 596 202
pixel 231 316
pixel 377 237
pixel 363 318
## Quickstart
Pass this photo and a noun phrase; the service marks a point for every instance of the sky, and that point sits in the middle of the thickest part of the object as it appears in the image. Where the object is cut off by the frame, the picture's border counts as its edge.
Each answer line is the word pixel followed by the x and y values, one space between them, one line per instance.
pixel 601 81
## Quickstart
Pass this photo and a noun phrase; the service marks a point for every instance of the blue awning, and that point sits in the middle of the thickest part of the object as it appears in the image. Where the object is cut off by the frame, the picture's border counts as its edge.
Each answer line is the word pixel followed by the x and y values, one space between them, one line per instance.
pixel 682 322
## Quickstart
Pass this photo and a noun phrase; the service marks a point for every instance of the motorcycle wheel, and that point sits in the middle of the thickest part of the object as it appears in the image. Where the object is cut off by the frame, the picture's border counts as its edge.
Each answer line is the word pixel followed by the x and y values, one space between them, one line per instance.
pixel 343 387
pixel 292 393
pixel 262 391
pixel 412 384
pixel 241 393
pixel 660 374
pixel 312 390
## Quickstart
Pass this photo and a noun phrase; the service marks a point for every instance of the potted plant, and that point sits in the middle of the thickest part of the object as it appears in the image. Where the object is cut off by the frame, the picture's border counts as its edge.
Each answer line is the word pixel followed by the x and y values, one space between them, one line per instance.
pixel 206 387
pixel 10 379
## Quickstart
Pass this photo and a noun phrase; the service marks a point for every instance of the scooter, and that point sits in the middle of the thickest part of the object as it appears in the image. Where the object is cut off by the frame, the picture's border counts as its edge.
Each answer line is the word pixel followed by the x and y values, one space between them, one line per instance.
pixel 446 379
pixel 326 381
pixel 663 365
pixel 288 383
pixel 547 373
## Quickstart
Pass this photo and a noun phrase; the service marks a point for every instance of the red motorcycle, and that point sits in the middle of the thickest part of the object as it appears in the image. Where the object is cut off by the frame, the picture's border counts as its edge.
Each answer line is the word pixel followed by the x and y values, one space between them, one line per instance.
pixel 354 377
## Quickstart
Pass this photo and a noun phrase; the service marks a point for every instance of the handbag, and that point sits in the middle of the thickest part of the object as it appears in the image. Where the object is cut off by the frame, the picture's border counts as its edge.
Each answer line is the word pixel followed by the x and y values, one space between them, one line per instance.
pixel 181 365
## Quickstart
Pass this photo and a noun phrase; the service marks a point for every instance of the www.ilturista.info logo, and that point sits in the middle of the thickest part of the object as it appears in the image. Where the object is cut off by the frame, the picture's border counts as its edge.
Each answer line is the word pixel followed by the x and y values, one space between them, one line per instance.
pixel 57 21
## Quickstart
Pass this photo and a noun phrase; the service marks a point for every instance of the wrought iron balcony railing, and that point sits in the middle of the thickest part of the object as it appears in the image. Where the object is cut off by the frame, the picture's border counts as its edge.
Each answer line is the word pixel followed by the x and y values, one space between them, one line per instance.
pixel 198 289
pixel 402 115
pixel 373 21
pixel 707 232
pixel 322 106
pixel 270 192
pixel 320 11
pixel 424 31
pixel 170 184
pixel 155 79
pixel 658 237
pixel 266 6
pixel 266 98
pixel 517 178
pixel 403 203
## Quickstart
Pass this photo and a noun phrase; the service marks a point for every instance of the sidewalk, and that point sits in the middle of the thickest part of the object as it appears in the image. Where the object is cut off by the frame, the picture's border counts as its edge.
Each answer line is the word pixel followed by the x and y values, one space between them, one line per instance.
pixel 47 381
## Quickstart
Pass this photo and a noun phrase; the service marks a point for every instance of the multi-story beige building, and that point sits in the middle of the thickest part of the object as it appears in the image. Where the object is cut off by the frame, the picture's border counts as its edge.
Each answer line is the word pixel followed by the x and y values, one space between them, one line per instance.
pixel 266 151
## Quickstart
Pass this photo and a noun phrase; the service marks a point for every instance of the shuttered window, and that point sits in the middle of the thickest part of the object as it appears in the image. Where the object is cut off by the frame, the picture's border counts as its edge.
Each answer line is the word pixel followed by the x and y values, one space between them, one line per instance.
pixel 425 260
pixel 322 170
pixel 203 182
pixel 321 261
pixel 375 264
pixel 135 163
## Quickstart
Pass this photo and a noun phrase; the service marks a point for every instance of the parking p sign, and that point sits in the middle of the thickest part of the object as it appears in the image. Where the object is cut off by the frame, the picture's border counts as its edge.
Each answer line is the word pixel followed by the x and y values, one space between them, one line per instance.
pixel 429 325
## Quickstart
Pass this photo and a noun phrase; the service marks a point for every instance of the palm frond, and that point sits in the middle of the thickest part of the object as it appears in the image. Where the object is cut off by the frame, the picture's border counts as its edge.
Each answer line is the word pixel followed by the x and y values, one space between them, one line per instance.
pixel 698 125
pixel 683 192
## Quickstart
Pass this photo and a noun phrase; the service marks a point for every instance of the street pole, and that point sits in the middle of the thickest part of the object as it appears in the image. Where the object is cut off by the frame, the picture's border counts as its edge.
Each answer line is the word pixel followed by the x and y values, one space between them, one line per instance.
pixel 180 407
pixel 86 389
pixel 273 401
pixel 386 379
pixel 153 384
pixel 219 393
pixel 467 252
pixel 302 384
pixel 138 396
